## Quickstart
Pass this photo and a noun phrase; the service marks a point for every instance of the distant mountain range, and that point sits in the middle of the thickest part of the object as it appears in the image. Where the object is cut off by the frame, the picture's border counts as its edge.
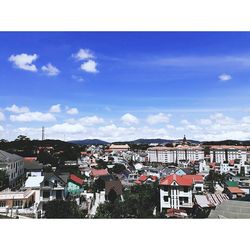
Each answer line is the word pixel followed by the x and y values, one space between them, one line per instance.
pixel 159 141
pixel 138 141
pixel 89 142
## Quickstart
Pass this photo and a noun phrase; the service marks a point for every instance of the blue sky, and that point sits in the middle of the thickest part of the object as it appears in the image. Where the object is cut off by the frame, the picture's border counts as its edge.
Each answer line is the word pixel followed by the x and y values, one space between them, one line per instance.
pixel 125 85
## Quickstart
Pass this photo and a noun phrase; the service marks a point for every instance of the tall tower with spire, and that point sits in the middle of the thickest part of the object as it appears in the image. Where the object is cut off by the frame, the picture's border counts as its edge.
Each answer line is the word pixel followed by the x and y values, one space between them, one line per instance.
pixel 184 141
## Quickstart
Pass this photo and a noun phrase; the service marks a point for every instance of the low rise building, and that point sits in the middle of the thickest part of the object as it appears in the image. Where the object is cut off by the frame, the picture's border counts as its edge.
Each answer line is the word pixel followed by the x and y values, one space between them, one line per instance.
pixel 16 199
pixel 119 148
pixel 177 191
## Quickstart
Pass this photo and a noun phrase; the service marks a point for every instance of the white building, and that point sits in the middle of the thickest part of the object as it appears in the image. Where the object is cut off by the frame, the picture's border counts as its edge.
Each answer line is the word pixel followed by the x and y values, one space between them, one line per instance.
pixel 175 154
pixel 177 191
pixel 14 166
pixel 119 148
pixel 219 154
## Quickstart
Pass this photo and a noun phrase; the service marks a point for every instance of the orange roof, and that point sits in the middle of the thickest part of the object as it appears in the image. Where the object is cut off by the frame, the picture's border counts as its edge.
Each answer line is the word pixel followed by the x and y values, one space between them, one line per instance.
pixel 143 178
pixel 30 158
pixel 235 190
pixel 183 180
pixel 98 172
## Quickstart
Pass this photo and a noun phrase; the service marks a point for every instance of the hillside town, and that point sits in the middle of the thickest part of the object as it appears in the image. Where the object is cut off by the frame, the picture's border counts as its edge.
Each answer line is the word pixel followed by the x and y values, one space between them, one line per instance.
pixel 176 180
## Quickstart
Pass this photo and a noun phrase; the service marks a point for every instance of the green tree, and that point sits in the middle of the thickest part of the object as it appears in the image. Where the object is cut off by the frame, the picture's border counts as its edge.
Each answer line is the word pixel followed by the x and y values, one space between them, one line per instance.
pixel 22 138
pixel 139 202
pixel 62 209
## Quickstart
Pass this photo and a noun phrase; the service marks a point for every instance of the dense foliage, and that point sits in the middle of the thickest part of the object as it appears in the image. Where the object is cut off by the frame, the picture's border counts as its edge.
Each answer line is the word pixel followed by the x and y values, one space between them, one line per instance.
pixel 62 209
pixel 139 202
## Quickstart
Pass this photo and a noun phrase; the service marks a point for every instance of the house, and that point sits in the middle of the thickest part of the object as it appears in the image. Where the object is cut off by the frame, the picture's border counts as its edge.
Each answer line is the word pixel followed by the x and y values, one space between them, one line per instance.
pixel 33 183
pixel 53 187
pixel 180 172
pixel 95 173
pixel 32 167
pixel 177 191
pixel 113 189
pixel 119 148
pixel 234 192
pixel 146 179
pixel 14 166
pixel 75 184
pixel 16 199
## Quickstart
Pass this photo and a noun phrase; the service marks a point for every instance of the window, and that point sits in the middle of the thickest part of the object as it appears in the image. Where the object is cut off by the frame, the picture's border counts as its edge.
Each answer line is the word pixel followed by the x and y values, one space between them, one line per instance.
pixel 2 203
pixel 46 194
pixel 17 203
pixel 185 189
pixel 165 188
pixel 46 183
pixel 165 198
pixel 198 189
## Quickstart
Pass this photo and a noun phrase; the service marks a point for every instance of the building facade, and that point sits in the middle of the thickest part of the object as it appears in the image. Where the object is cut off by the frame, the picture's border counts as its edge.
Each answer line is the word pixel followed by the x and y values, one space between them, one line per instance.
pixel 14 166
pixel 175 154
pixel 177 191
pixel 225 153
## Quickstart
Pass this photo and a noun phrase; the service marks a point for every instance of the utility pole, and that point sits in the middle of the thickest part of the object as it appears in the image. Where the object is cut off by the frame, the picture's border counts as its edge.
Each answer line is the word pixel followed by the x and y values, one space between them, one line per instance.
pixel 43 133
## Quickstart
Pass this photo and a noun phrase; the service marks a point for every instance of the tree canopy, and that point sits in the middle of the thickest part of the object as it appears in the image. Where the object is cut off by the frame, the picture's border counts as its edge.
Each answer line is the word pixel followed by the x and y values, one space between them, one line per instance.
pixel 139 202
pixel 62 209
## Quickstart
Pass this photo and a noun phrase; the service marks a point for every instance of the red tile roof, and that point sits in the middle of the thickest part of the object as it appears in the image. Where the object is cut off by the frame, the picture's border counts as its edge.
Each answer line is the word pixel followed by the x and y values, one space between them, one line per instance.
pixel 99 172
pixel 183 180
pixel 76 179
pixel 235 190
pixel 143 178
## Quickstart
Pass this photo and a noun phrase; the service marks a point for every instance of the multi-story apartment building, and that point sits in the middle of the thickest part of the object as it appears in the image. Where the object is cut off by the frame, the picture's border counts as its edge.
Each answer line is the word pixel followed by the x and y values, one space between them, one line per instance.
pixel 14 166
pixel 175 154
pixel 177 191
pixel 225 153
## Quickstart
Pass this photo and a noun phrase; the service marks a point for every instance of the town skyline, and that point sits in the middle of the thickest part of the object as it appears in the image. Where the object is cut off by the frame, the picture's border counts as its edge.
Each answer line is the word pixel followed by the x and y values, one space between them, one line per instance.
pixel 119 86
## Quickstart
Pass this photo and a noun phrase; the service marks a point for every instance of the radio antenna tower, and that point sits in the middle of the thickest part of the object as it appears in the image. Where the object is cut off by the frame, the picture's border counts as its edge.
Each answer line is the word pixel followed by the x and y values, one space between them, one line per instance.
pixel 43 133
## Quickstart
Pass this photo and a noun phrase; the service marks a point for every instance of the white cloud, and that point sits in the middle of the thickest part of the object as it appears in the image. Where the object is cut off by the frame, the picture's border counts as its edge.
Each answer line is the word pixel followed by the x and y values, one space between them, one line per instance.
pixel 170 126
pixel 24 61
pixel 2 116
pixel 1 129
pixel 72 111
pixel 129 119
pixel 68 128
pixel 184 122
pixel 50 70
pixel 158 118
pixel 89 66
pixel 15 109
pixel 87 120
pixel 83 54
pixel 55 108
pixel 224 77
pixel 246 119
pixel 205 121
pixel 221 119
pixel 33 116
pixel 91 120
pixel 77 78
